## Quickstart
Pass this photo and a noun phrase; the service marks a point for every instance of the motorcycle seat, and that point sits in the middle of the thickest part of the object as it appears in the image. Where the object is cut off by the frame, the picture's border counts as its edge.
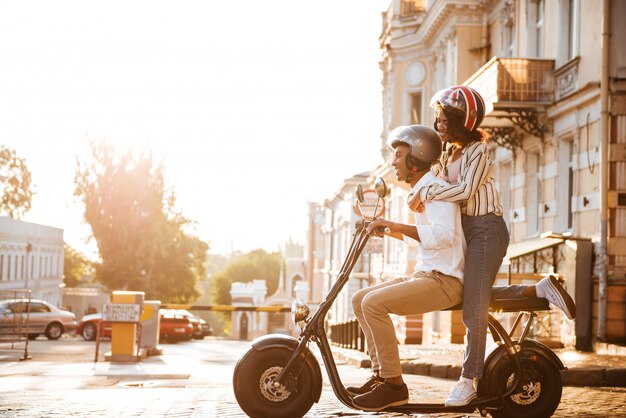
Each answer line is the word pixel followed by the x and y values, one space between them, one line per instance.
pixel 513 305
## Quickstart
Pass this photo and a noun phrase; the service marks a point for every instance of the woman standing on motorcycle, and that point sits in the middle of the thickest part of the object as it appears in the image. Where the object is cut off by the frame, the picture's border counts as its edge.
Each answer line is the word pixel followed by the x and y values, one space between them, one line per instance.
pixel 465 164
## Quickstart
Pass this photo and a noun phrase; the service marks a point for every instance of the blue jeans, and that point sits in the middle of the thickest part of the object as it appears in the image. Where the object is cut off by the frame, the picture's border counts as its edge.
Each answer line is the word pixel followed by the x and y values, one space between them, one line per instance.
pixel 487 239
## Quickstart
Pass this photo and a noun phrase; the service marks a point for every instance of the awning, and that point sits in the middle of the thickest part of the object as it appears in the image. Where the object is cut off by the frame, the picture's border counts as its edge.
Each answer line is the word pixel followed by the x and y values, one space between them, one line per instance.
pixel 522 248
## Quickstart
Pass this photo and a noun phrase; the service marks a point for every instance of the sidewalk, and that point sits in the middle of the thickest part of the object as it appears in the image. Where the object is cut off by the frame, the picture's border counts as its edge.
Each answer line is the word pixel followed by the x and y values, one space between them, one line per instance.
pixel 444 361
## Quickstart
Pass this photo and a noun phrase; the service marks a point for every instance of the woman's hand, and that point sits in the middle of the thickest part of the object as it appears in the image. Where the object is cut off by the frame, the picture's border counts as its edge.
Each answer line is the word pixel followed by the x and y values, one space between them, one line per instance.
pixel 414 202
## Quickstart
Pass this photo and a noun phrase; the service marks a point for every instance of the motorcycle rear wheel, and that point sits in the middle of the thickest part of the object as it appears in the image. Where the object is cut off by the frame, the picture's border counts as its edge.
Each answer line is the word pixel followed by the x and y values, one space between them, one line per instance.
pixel 258 397
pixel 541 387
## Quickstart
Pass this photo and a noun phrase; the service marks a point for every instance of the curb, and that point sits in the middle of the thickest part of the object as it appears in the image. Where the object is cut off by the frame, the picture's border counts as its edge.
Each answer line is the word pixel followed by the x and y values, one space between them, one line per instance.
pixel 595 376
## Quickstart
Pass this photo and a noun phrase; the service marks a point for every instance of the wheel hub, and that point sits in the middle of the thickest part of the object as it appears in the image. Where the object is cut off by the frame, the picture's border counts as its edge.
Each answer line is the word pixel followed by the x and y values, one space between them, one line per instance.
pixel 531 391
pixel 270 390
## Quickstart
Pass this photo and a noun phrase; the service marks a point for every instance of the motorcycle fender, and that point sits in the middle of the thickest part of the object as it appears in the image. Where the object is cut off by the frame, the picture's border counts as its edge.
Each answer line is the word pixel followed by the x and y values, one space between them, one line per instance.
pixel 497 351
pixel 291 343
pixel 274 340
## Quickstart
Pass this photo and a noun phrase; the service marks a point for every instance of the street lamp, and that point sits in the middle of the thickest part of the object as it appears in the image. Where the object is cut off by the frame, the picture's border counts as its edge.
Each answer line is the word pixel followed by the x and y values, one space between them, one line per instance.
pixel 29 247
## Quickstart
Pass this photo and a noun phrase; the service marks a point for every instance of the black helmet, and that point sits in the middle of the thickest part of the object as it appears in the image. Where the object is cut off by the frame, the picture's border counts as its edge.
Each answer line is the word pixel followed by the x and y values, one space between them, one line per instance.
pixel 424 143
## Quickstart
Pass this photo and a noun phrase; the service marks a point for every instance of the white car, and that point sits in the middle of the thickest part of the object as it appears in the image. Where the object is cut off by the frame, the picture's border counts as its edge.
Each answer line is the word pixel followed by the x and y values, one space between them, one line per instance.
pixel 43 318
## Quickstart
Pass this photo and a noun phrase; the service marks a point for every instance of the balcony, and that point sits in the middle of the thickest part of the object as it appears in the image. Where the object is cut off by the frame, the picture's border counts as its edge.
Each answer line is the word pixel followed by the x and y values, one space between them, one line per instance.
pixel 411 7
pixel 519 89
pixel 515 82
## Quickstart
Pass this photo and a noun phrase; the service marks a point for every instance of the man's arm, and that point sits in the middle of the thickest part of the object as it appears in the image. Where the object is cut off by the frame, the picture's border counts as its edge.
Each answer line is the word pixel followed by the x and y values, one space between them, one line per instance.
pixel 396 230
pixel 439 232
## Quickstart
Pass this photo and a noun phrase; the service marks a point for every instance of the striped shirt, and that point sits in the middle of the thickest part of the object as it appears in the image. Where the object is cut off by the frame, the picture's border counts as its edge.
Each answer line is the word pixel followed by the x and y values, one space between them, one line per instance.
pixel 475 189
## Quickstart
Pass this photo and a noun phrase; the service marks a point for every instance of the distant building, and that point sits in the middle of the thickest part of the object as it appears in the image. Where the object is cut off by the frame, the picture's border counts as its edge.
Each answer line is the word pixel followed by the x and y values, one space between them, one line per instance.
pixel 250 325
pixel 31 257
pixel 85 299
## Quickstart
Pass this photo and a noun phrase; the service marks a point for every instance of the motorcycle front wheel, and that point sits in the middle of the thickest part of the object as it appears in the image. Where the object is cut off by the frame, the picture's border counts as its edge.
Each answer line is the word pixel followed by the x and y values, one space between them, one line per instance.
pixel 258 396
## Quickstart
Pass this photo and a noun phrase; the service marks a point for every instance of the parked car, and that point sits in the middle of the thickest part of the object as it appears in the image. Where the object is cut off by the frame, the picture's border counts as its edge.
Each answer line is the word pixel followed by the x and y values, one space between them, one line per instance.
pixel 88 327
pixel 201 328
pixel 41 318
pixel 175 326
pixel 172 327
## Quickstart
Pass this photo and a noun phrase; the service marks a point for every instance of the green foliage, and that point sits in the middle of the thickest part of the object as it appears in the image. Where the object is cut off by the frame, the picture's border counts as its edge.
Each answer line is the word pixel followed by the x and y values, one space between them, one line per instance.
pixel 16 180
pixel 143 243
pixel 257 264
pixel 75 266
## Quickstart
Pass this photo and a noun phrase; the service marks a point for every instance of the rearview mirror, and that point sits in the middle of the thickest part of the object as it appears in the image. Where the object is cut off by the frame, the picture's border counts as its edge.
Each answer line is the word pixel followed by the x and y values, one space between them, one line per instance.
pixel 380 187
pixel 358 191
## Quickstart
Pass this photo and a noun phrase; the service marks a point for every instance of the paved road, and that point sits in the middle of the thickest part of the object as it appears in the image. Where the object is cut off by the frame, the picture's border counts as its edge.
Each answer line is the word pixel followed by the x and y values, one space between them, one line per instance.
pixel 193 379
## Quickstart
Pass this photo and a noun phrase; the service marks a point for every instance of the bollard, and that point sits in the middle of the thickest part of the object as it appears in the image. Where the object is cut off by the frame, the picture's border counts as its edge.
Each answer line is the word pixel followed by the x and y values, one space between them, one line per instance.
pixel 150 328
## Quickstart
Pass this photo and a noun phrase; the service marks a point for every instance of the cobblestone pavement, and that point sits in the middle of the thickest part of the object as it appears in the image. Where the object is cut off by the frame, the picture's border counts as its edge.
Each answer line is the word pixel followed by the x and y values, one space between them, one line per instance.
pixel 142 399
pixel 195 380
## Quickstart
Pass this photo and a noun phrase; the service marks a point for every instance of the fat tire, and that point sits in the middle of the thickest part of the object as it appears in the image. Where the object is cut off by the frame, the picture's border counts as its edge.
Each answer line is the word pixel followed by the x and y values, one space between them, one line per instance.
pixel 534 367
pixel 247 378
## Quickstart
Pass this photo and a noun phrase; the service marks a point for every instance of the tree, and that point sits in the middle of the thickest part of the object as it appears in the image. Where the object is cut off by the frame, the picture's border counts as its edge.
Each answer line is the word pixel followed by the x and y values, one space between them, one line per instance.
pixel 16 184
pixel 143 243
pixel 257 264
pixel 75 266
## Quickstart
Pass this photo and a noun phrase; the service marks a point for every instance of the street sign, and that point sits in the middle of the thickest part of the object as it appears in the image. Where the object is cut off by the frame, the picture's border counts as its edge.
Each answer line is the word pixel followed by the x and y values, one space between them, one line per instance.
pixel 121 312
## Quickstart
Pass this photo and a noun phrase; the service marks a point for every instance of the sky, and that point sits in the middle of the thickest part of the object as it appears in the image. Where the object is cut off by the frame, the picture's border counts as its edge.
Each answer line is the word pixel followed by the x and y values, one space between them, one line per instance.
pixel 253 107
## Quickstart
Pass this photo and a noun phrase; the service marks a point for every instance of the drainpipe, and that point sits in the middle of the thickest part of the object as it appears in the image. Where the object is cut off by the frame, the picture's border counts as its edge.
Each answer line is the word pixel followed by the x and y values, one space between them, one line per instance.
pixel 604 171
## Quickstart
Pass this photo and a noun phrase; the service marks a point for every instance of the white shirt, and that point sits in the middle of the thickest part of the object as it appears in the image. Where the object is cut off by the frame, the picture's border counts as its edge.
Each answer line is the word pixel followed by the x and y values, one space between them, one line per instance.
pixel 442 243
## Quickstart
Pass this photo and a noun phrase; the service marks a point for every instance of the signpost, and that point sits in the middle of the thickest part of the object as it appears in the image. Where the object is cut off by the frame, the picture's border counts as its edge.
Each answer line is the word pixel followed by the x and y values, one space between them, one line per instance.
pixel 371 203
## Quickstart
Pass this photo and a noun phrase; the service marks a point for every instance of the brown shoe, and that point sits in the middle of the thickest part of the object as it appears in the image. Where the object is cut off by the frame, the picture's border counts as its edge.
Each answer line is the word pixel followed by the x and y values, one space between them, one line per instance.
pixel 367 386
pixel 382 396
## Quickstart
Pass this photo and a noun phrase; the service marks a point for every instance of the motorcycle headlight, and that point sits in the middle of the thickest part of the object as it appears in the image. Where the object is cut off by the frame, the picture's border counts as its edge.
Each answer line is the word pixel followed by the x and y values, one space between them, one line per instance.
pixel 299 312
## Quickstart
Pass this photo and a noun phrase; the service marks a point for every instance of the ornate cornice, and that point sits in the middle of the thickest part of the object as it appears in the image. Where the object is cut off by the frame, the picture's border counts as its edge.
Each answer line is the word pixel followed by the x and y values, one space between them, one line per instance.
pixel 529 120
pixel 505 136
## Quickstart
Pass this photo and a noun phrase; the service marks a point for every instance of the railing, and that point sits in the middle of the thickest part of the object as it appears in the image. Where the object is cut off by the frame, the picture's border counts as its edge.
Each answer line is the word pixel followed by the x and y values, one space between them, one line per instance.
pixel 15 320
pixel 513 81
pixel 411 7
pixel 348 334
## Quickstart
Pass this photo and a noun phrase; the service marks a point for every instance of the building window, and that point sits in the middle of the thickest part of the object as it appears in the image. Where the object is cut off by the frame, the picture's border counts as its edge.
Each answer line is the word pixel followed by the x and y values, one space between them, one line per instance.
pixel 416 109
pixel 504 186
pixel 568 32
pixel 532 193
pixel 565 184
pixel 2 267
pixel 536 28
pixel 509 39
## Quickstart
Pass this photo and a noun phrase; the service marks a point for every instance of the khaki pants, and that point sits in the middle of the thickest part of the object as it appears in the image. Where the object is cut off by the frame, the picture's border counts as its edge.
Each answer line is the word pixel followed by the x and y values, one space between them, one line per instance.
pixel 421 293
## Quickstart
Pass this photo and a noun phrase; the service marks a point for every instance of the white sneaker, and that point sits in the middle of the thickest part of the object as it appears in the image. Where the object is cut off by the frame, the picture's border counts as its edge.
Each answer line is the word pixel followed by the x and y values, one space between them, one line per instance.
pixel 462 393
pixel 550 288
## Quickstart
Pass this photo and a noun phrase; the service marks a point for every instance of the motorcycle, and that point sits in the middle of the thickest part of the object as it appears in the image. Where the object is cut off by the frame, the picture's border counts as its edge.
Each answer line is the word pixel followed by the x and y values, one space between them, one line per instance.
pixel 281 377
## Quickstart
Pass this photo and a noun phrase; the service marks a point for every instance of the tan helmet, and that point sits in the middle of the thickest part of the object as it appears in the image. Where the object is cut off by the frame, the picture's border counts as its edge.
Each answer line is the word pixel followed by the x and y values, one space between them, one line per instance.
pixel 424 143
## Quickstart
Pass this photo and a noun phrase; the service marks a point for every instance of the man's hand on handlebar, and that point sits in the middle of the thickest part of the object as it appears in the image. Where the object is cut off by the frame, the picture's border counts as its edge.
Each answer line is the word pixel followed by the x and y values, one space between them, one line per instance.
pixel 379 227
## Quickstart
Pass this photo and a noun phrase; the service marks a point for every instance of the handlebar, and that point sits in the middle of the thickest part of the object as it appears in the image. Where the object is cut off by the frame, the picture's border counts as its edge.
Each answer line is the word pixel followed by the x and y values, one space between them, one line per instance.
pixel 362 224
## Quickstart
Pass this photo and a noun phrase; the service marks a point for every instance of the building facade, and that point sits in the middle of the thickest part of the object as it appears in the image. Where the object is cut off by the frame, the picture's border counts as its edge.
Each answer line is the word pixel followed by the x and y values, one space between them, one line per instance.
pixel 554 90
pixel 31 257
pixel 553 75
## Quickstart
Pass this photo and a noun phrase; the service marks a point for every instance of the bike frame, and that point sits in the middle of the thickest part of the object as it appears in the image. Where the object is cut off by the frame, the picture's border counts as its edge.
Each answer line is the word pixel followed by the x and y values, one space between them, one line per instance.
pixel 314 331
